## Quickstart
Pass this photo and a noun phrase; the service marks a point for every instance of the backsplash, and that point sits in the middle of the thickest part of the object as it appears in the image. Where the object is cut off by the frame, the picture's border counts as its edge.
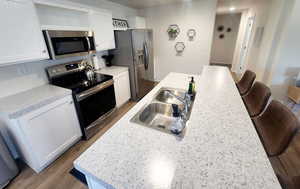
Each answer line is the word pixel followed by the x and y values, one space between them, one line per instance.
pixel 21 77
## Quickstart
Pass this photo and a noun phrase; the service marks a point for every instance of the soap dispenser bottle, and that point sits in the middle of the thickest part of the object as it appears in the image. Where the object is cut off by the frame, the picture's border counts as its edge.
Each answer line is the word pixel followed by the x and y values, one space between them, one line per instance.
pixel 191 90
pixel 177 125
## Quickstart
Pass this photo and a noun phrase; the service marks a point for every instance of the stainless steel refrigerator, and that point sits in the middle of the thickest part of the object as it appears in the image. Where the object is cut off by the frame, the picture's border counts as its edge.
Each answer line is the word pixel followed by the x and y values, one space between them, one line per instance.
pixel 134 49
pixel 8 167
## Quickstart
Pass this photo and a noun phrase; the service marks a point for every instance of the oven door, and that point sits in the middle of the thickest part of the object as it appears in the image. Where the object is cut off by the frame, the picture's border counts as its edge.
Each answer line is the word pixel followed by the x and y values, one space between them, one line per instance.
pixel 63 44
pixel 96 103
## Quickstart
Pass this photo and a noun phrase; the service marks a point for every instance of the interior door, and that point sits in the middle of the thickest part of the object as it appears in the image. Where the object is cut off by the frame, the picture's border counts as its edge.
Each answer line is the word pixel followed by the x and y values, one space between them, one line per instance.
pixel 246 42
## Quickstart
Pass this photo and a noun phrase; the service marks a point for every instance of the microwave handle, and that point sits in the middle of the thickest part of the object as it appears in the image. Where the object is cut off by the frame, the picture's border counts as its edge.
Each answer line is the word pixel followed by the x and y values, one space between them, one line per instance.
pixel 89 44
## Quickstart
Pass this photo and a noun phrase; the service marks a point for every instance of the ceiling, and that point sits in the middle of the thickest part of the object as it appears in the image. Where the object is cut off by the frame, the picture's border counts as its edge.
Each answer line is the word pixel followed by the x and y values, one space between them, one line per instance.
pixel 139 4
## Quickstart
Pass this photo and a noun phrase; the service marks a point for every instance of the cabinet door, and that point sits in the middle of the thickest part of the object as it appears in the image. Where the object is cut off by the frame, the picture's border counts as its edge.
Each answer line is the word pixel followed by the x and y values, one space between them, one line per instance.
pixel 122 89
pixel 20 34
pixel 101 24
pixel 51 129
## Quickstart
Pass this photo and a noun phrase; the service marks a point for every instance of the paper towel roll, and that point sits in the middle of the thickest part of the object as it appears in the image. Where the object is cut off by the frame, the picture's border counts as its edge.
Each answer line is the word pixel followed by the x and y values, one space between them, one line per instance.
pixel 98 63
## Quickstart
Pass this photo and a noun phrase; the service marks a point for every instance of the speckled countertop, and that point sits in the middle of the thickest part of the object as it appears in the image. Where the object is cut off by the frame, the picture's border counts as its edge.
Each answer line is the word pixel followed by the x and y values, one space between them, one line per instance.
pixel 19 104
pixel 113 70
pixel 220 149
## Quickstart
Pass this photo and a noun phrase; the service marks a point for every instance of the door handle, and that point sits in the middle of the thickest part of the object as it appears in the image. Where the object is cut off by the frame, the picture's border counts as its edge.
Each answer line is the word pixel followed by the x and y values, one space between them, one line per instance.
pixel 89 44
pixel 146 56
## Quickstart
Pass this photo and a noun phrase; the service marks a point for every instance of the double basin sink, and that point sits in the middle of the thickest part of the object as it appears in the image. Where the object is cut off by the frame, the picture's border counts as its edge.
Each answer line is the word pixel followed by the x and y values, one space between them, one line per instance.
pixel 159 113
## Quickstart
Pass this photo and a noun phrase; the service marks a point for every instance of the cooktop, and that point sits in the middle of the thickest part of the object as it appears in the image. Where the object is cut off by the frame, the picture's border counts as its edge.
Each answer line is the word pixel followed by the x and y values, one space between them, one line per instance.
pixel 78 81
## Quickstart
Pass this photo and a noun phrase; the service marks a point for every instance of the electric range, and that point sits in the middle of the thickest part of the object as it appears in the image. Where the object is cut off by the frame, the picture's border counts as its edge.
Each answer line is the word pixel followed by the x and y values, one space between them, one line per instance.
pixel 94 97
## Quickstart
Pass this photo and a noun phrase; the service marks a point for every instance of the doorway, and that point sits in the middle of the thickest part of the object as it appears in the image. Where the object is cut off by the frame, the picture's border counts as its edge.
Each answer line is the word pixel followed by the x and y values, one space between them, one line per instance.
pixel 226 32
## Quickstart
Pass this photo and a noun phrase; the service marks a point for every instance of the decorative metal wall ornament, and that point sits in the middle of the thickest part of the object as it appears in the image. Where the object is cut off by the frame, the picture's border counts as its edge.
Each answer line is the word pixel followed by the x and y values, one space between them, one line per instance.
pixel 173 31
pixel 120 24
pixel 179 47
pixel 191 33
pixel 220 28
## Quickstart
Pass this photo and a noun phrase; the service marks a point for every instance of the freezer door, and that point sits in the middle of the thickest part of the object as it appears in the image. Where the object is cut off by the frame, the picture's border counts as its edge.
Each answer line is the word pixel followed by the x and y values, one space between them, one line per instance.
pixel 143 62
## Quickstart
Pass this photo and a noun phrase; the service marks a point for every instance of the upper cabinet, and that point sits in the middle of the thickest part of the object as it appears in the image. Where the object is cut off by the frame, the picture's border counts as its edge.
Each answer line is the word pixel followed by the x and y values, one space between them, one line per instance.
pixel 137 22
pixel 101 24
pixel 20 35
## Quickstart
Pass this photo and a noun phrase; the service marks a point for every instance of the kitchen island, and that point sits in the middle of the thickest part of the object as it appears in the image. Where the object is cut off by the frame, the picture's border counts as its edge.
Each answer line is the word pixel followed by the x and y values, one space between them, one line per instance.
pixel 220 149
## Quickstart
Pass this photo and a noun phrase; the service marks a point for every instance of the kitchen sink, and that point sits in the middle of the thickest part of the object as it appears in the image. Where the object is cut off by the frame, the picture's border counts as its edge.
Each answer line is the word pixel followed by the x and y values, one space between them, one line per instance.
pixel 164 96
pixel 158 114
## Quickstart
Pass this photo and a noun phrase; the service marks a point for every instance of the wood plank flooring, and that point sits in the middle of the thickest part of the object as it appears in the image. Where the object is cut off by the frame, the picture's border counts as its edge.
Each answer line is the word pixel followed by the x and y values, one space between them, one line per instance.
pixel 287 165
pixel 57 176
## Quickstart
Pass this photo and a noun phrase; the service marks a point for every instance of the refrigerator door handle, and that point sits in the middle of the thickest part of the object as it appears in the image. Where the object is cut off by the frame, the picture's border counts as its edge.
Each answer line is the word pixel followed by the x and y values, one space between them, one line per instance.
pixel 146 56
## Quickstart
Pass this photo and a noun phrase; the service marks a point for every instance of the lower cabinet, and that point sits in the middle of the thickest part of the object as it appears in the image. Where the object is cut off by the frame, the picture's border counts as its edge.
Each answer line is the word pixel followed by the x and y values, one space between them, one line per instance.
pixel 44 134
pixel 122 88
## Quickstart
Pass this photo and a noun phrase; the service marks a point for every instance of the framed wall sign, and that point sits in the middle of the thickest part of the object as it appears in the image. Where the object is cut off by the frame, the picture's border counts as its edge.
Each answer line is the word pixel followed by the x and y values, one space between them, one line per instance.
pixel 120 24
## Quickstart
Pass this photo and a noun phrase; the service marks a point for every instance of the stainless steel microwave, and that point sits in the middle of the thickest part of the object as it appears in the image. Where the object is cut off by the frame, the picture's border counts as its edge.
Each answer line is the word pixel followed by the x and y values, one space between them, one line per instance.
pixel 62 44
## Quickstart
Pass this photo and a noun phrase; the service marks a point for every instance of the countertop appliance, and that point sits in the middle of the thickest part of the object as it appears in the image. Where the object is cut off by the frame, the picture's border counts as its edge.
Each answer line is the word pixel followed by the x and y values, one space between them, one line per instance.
pixel 94 97
pixel 8 167
pixel 134 49
pixel 63 44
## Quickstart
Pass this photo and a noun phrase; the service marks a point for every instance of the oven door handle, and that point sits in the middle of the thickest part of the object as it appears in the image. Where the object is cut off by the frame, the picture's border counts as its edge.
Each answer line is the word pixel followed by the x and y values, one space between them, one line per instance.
pixel 94 90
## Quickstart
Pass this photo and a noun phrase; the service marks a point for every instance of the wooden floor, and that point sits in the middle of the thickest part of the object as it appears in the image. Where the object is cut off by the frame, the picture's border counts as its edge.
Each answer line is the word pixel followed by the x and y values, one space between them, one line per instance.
pixel 57 176
pixel 287 165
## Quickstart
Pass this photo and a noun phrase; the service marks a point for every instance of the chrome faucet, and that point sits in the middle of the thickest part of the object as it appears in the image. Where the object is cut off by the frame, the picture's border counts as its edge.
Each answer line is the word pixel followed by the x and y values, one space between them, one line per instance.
pixel 186 101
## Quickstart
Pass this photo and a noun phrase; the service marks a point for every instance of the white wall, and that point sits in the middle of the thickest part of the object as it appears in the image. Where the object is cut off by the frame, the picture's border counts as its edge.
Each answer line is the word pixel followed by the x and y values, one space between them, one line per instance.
pixel 223 49
pixel 118 11
pixel 285 65
pixel 259 9
pixel 198 15
pixel 21 77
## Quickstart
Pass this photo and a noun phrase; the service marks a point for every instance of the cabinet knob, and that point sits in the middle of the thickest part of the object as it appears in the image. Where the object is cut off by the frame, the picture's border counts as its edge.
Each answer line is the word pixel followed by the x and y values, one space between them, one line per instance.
pixel 44 51
pixel 97 45
pixel 71 102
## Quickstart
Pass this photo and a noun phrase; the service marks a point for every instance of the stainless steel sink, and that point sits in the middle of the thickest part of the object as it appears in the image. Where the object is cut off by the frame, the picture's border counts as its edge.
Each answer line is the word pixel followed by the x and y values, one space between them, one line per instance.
pixel 158 114
pixel 164 96
pixel 155 115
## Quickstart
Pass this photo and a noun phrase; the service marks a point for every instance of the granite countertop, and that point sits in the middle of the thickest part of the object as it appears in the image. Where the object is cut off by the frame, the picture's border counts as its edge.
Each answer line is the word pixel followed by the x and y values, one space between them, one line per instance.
pixel 19 104
pixel 221 148
pixel 113 70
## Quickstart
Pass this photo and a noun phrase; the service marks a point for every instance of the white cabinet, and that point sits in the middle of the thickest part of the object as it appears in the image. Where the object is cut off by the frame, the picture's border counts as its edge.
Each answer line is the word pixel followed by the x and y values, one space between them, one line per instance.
pixel 122 88
pixel 137 22
pixel 20 35
pixel 101 24
pixel 42 135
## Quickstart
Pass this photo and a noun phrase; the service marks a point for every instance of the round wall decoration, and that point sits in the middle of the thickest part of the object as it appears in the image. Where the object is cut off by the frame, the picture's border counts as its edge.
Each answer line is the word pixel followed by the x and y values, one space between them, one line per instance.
pixel 173 31
pixel 191 33
pixel 220 28
pixel 179 47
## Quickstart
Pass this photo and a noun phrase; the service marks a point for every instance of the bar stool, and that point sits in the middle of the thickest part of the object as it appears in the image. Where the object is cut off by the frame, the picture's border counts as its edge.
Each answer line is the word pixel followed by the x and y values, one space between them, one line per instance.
pixel 257 99
pixel 245 84
pixel 276 128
